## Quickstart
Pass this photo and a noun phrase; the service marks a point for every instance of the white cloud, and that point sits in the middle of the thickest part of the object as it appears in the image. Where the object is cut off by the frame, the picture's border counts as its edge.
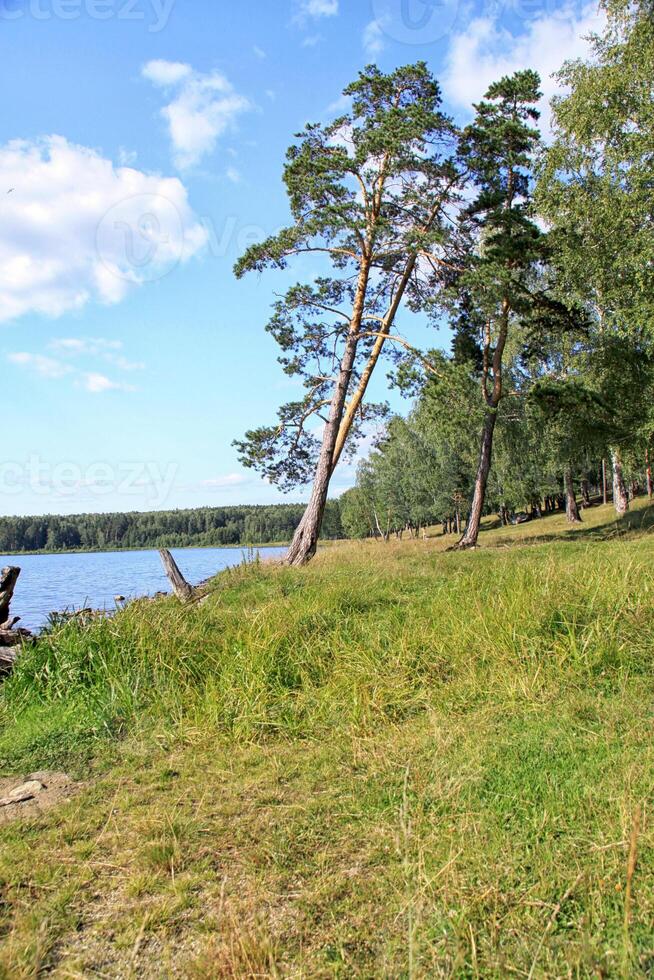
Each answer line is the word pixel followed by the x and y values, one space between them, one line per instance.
pixel 259 52
pixel 340 106
pixel 203 107
pixel 316 9
pixel 72 348
pixel 47 367
pixel 95 347
pixel 486 51
pixel 77 228
pixel 311 41
pixel 126 157
pixel 161 72
pixel 373 38
pixel 84 345
pixel 123 363
pixel 229 480
pixel 97 383
pixel 233 174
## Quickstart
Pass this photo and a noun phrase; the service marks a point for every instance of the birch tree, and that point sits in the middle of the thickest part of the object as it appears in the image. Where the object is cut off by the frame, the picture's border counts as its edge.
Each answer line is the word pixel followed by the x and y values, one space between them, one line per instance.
pixel 596 188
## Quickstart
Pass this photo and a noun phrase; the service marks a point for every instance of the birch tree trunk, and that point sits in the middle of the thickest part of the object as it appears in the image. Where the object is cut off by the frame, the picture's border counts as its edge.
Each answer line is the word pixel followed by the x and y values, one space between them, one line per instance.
pixel 620 498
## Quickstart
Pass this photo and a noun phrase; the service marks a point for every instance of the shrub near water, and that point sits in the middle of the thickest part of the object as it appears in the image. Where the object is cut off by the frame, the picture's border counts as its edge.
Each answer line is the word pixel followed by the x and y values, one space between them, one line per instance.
pixel 367 633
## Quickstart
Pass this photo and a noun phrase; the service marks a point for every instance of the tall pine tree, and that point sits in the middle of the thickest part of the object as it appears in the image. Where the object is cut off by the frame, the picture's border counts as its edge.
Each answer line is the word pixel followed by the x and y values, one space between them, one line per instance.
pixel 370 192
pixel 503 244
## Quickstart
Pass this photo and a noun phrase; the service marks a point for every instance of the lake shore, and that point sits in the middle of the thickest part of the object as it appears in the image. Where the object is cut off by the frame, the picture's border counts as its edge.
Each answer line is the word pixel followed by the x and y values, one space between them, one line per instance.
pixel 52 582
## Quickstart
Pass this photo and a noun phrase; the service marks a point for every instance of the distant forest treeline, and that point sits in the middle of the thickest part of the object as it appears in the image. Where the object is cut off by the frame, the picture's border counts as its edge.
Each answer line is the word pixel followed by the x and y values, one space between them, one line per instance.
pixel 202 527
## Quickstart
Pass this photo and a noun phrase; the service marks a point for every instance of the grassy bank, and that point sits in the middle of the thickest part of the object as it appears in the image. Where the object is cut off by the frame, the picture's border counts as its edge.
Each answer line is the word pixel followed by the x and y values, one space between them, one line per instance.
pixel 397 762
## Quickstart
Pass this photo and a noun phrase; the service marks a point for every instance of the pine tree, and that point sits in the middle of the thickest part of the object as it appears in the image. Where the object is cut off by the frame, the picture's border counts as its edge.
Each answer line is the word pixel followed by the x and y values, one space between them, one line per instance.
pixel 503 243
pixel 370 193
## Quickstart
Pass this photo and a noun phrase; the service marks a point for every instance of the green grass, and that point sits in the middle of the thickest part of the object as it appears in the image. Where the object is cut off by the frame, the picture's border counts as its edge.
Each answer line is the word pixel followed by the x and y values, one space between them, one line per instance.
pixel 397 762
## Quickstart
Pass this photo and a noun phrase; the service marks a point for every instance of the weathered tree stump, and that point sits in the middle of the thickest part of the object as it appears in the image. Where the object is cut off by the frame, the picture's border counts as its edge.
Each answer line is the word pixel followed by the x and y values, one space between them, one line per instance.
pixel 8 579
pixel 11 639
pixel 181 588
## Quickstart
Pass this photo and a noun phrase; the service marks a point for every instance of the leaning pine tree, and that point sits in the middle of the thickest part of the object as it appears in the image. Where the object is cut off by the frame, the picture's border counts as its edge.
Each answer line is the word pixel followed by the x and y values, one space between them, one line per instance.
pixel 503 243
pixel 370 193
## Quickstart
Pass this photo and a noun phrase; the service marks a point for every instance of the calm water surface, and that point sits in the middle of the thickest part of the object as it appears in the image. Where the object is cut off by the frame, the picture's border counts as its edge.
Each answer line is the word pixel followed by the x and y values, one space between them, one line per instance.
pixel 58 582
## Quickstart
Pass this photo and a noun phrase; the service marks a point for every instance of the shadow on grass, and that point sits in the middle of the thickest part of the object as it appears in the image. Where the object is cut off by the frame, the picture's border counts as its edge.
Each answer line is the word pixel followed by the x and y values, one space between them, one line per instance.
pixel 628 525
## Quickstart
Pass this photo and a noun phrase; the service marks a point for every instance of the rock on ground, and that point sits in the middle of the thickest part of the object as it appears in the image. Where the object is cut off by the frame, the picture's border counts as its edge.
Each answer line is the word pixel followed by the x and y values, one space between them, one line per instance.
pixel 29 796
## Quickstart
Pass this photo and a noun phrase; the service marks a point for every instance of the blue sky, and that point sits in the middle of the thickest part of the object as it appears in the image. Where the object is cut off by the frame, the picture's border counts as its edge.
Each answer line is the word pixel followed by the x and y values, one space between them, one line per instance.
pixel 129 367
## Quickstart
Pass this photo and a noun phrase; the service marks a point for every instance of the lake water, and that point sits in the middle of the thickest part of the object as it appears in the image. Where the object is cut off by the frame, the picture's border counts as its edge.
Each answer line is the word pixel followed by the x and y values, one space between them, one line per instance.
pixel 78 581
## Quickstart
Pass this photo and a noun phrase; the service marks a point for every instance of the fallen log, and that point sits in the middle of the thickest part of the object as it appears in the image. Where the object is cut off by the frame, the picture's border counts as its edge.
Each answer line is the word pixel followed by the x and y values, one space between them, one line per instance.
pixel 181 588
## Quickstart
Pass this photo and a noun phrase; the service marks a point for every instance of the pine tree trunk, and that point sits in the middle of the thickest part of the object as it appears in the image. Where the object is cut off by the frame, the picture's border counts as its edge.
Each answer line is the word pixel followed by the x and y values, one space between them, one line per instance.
pixel 620 499
pixel 492 359
pixel 571 509
pixel 305 540
pixel 469 539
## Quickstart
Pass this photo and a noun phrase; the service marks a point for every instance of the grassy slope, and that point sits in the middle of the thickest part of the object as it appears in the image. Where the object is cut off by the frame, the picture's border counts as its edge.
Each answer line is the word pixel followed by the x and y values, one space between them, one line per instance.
pixel 397 762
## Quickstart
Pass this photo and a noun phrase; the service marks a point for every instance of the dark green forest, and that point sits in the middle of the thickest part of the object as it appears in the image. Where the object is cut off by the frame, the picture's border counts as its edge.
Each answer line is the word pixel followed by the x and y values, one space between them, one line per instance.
pixel 201 527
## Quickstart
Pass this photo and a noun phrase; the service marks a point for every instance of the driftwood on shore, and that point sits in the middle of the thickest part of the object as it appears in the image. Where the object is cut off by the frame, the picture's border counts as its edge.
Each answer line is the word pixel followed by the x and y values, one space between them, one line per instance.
pixel 181 588
pixel 8 579
pixel 11 638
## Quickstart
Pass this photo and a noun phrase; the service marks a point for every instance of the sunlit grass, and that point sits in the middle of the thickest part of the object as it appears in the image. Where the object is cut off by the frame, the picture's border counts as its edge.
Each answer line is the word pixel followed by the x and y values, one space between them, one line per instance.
pixel 399 761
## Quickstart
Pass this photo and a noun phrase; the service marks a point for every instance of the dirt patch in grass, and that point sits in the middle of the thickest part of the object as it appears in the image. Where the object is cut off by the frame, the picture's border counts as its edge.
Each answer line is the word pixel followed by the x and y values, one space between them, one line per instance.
pixel 32 795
